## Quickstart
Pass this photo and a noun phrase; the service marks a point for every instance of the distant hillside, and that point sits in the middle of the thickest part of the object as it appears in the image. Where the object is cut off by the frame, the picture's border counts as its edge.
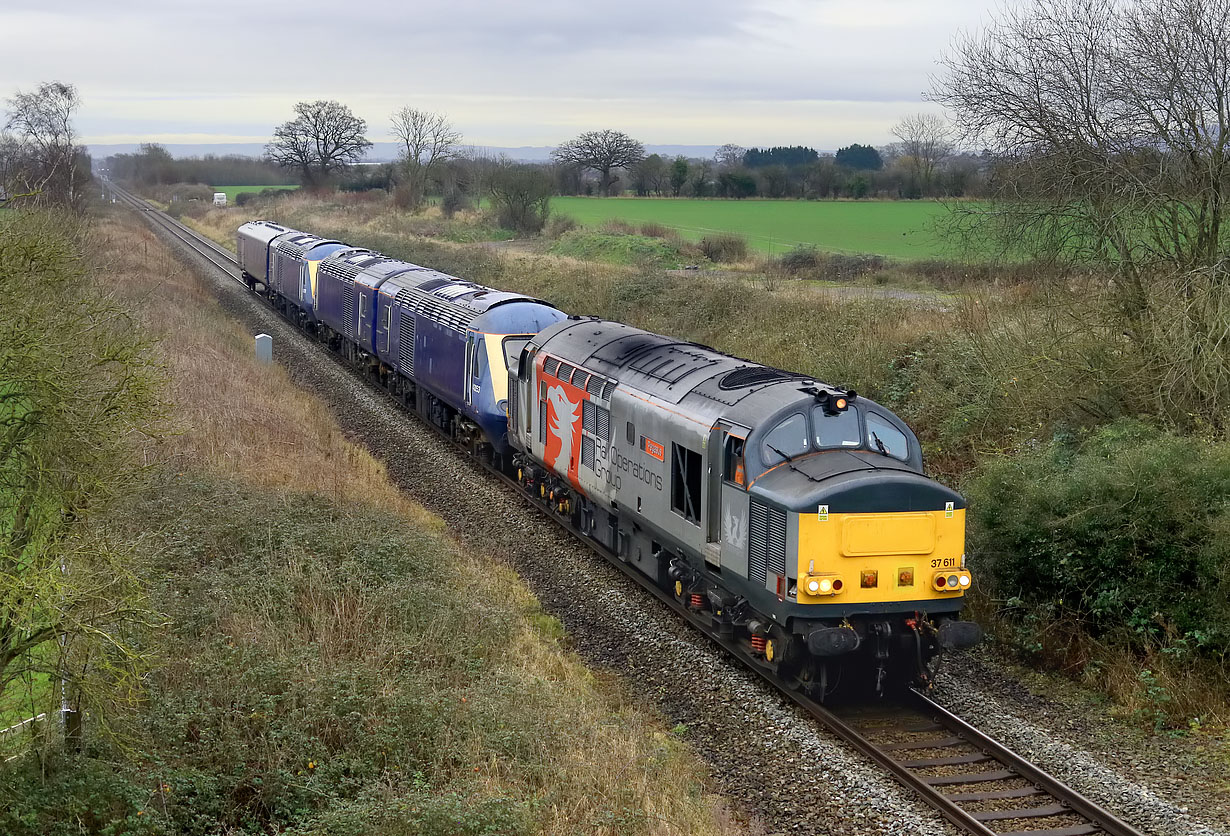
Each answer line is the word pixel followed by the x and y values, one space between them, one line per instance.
pixel 381 151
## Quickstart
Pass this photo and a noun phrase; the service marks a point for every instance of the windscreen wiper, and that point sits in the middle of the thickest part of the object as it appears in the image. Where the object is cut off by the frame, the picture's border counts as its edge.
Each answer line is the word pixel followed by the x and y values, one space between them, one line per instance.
pixel 790 464
pixel 879 444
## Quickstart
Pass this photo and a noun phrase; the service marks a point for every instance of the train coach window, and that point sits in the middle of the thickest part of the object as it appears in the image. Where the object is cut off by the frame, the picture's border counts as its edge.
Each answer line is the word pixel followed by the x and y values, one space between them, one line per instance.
pixel 840 430
pixel 787 440
pixel 886 438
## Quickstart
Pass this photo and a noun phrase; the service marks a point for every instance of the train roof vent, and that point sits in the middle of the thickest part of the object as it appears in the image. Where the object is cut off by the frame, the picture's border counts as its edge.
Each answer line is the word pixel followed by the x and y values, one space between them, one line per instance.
pixel 753 376
pixel 431 284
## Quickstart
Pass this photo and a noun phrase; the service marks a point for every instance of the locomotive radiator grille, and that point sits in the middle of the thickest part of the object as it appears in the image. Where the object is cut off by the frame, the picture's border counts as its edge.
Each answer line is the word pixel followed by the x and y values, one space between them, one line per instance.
pixel 348 304
pixel 766 543
pixel 587 451
pixel 514 397
pixel 603 430
pixel 589 417
pixel 406 344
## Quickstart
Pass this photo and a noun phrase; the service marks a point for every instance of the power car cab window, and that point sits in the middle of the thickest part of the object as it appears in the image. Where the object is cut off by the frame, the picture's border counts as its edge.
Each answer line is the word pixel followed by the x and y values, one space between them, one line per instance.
pixel 787 439
pixel 840 430
pixel 512 350
pixel 886 438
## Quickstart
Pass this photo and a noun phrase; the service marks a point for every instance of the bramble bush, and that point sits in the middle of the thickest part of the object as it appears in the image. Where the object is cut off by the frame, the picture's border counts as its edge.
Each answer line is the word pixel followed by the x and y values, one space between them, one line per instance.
pixel 1126 531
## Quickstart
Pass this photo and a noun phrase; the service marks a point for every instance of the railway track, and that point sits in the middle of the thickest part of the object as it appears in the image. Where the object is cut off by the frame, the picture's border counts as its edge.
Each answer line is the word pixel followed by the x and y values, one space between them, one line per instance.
pixel 977 784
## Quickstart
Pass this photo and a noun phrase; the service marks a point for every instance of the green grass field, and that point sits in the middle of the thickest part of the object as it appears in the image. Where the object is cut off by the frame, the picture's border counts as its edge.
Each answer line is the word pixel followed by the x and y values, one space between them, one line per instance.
pixel 233 191
pixel 900 229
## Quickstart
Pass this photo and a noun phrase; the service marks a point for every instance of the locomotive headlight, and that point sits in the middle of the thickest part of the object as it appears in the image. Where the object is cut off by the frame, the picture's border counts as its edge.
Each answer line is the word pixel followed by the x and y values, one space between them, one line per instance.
pixel 951 581
pixel 821 585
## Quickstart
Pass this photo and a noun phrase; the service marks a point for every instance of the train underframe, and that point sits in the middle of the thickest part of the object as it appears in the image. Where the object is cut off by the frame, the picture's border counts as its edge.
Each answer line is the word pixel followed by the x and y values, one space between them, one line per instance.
pixel 855 655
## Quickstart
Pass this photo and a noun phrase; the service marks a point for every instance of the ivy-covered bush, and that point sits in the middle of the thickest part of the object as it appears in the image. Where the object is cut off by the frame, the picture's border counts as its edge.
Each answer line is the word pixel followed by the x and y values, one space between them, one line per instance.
pixel 1127 531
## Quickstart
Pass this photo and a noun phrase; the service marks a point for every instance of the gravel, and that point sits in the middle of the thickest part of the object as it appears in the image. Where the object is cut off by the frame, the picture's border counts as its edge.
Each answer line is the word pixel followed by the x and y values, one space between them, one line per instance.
pixel 1160 785
pixel 775 766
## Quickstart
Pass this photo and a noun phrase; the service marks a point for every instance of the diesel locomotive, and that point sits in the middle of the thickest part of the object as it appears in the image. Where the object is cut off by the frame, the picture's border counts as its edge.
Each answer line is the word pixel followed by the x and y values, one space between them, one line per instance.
pixel 788 516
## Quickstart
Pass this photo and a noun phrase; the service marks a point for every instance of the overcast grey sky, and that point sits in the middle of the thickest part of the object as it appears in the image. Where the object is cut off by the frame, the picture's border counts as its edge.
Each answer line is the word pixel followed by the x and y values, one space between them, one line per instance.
pixel 536 72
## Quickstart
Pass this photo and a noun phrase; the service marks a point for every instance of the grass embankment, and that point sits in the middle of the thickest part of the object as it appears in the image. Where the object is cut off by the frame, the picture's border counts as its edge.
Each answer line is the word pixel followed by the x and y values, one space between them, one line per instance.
pixel 331 661
pixel 1029 390
pixel 897 228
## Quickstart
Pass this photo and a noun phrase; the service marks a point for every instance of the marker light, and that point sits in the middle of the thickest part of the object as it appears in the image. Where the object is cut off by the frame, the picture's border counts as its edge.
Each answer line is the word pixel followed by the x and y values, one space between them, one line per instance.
pixel 821 585
pixel 951 582
pixel 841 403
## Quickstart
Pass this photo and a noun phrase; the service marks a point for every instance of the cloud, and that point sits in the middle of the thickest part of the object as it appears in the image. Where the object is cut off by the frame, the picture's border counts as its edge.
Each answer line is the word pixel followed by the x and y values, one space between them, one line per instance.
pixel 545 67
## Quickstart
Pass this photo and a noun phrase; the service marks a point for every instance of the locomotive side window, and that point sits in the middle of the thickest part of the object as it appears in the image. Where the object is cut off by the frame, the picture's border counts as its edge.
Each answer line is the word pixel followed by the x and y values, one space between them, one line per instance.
pixel 787 440
pixel 631 434
pixel 732 466
pixel 840 430
pixel 886 438
pixel 685 483
pixel 480 359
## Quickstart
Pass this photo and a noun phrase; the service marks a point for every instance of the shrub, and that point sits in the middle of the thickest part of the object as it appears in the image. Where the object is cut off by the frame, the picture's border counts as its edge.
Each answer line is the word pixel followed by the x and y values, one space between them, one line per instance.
pixel 1127 533
pixel 653 229
pixel 800 260
pixel 618 226
pixel 560 224
pixel 455 201
pixel 724 247
pixel 403 197
pixel 521 196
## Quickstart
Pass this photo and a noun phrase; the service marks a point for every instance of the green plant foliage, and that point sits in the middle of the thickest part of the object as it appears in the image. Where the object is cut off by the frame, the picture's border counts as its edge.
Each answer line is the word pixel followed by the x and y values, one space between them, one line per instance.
pixel 326 669
pixel 617 249
pixel 1128 530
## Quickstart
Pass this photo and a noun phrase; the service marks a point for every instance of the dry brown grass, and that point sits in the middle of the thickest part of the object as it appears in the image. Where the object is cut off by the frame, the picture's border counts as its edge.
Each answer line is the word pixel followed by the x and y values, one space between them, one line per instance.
pixel 250 423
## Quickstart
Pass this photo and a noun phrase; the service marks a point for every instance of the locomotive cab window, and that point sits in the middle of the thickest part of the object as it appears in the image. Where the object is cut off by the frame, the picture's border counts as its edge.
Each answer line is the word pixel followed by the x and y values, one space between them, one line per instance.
pixel 685 483
pixel 787 440
pixel 840 430
pixel 886 438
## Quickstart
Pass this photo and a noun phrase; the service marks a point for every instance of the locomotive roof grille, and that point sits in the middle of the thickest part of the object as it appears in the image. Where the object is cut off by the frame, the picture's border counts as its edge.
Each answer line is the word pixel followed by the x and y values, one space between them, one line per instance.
pixel 445 313
pixel 754 376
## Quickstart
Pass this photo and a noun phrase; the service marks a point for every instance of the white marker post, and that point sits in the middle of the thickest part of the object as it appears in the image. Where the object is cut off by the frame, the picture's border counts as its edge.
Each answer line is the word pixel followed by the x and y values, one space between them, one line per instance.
pixel 264 348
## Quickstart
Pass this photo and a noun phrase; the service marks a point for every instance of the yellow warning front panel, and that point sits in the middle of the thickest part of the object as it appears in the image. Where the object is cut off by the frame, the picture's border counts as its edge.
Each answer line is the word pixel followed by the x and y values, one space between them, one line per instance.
pixel 880 534
pixel 846 545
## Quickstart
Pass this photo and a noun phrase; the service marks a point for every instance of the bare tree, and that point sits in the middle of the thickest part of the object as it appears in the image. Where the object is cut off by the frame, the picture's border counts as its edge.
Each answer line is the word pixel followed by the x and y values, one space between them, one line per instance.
pixel 427 139
pixel 322 140
pixel 1109 125
pixel 603 152
pixel 925 141
pixel 42 160
pixel 729 156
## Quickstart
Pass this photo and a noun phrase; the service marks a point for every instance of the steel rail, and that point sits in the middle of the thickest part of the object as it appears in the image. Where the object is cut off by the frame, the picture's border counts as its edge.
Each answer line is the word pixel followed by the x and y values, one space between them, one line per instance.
pixel 917 705
pixel 217 255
